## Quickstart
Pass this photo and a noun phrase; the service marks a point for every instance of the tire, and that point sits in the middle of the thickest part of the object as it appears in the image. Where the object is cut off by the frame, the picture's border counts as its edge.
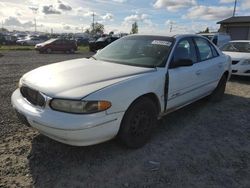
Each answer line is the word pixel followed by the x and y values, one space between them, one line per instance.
pixel 49 51
pixel 72 51
pixel 138 123
pixel 219 91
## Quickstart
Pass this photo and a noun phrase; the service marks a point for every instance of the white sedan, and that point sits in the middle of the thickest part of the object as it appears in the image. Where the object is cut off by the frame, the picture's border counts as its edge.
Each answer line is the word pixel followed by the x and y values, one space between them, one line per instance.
pixel 30 41
pixel 122 90
pixel 239 51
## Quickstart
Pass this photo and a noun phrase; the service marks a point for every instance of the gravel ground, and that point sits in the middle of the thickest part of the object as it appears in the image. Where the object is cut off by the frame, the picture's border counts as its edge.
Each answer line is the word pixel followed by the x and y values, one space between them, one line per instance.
pixel 203 145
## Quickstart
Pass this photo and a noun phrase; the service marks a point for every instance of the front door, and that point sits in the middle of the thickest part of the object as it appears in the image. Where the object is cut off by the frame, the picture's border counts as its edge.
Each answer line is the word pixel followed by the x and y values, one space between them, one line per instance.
pixel 185 81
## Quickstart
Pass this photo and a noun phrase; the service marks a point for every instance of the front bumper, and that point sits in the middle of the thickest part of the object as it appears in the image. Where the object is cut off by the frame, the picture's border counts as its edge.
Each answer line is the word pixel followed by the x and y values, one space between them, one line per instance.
pixel 72 129
pixel 241 70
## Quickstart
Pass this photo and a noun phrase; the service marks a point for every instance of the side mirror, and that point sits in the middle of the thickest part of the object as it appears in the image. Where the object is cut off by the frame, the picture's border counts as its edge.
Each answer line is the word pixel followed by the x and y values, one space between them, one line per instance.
pixel 181 63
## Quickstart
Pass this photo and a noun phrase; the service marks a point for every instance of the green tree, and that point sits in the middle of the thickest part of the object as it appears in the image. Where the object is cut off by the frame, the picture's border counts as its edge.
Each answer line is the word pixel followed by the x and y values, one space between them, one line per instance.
pixel 3 30
pixel 87 31
pixel 205 31
pixel 134 28
pixel 97 28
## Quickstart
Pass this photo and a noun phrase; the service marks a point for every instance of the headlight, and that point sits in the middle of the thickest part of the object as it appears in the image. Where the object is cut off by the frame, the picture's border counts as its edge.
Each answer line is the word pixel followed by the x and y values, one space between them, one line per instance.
pixel 246 62
pixel 20 83
pixel 79 107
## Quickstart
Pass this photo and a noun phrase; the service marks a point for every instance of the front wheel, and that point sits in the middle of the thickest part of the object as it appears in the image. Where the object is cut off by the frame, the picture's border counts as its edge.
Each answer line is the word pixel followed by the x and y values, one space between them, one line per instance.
pixel 138 123
pixel 49 51
pixel 219 91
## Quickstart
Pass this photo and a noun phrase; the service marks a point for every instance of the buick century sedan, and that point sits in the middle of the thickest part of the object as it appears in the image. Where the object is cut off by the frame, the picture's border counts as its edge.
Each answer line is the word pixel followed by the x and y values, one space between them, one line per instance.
pixel 122 90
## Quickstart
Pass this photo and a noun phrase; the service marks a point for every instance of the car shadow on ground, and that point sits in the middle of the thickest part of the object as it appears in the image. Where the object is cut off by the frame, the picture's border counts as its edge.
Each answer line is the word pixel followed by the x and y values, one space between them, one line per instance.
pixel 201 145
pixel 240 79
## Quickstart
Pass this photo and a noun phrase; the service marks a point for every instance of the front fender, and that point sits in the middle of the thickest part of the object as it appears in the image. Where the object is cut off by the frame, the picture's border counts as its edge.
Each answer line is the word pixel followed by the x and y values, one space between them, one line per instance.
pixel 122 94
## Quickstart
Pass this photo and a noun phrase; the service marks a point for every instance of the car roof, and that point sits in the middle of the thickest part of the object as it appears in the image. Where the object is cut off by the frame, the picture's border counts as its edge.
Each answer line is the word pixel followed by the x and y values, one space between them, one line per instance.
pixel 176 36
pixel 240 41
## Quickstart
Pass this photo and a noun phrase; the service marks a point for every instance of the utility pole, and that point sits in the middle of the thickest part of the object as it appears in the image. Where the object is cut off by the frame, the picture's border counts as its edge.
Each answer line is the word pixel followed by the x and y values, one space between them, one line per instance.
pixel 171 27
pixel 93 22
pixel 35 24
pixel 235 4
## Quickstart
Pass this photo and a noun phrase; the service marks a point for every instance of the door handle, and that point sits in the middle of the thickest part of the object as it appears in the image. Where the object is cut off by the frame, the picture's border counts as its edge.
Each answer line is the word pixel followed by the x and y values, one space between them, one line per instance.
pixel 198 72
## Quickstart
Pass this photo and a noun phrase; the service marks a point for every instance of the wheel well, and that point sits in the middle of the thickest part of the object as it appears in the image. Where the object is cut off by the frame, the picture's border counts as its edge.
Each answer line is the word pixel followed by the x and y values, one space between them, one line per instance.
pixel 152 97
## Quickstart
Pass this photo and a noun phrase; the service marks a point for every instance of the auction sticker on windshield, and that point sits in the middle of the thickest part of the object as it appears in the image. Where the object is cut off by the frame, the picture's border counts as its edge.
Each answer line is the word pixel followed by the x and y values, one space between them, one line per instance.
pixel 161 42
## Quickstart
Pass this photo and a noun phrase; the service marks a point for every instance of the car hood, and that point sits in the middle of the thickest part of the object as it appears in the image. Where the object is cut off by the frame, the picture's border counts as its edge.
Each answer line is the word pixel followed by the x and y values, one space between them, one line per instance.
pixel 78 78
pixel 237 55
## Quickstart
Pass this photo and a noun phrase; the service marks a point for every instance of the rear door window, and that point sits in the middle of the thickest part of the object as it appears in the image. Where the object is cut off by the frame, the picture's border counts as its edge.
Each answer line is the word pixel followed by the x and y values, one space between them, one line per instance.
pixel 204 49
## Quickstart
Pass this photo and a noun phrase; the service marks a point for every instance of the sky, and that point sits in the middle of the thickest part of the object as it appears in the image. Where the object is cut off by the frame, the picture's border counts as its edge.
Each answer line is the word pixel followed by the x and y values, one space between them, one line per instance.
pixel 152 16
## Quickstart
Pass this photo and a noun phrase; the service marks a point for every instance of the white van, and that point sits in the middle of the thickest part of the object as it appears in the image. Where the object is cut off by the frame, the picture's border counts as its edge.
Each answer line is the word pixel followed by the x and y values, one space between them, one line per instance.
pixel 218 39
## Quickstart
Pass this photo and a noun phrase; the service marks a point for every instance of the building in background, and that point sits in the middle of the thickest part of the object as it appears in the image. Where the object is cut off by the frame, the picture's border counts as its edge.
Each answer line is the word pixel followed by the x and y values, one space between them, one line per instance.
pixel 238 27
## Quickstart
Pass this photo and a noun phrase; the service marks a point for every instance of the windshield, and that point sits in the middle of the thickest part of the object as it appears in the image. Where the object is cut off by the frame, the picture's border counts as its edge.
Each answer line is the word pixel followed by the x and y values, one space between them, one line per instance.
pixel 237 47
pixel 50 40
pixel 135 50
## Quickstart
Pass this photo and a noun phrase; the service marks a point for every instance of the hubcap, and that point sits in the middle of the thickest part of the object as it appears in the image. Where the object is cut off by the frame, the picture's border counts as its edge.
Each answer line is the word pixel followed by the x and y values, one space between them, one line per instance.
pixel 140 124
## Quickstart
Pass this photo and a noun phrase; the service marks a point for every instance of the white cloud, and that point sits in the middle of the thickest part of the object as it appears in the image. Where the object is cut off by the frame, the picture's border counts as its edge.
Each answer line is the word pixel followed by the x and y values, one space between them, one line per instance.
pixel 49 9
pixel 208 13
pixel 13 21
pixel 67 27
pixel 172 5
pixel 108 16
pixel 245 5
pixel 120 1
pixel 64 6
pixel 135 18
pixel 227 1
pixel 169 22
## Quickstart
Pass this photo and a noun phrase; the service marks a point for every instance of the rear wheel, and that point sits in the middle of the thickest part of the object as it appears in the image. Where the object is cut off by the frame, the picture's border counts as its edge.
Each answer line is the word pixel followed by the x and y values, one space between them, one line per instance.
pixel 138 123
pixel 219 91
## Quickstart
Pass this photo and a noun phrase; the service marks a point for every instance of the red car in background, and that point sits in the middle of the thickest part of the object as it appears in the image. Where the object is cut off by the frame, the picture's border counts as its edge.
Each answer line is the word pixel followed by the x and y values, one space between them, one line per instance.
pixel 63 45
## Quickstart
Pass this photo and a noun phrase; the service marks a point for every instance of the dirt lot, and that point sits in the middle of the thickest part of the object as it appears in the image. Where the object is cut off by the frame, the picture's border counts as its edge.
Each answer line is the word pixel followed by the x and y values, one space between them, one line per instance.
pixel 202 145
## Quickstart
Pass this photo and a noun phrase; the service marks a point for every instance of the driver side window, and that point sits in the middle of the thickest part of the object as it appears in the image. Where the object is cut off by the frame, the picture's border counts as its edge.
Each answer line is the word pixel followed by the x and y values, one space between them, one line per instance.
pixel 185 50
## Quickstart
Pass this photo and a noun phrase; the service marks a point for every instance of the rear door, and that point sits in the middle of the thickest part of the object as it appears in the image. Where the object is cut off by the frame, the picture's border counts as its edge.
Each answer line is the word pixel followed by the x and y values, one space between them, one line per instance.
pixel 57 45
pixel 210 65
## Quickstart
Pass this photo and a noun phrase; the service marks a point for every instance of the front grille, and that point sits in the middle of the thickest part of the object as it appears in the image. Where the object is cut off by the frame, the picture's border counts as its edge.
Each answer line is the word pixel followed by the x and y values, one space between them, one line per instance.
pixel 235 62
pixel 33 96
pixel 248 71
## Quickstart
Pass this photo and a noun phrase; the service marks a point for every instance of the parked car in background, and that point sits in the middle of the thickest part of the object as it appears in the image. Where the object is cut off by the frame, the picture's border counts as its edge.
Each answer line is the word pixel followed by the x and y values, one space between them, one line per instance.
pixel 239 51
pixel 82 41
pixel 30 41
pixel 101 43
pixel 122 90
pixel 10 39
pixel 2 40
pixel 218 39
pixel 51 45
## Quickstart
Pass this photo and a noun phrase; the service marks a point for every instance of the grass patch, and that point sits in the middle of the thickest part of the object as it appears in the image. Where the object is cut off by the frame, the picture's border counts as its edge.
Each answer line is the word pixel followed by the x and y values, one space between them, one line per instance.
pixel 15 47
pixel 83 48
